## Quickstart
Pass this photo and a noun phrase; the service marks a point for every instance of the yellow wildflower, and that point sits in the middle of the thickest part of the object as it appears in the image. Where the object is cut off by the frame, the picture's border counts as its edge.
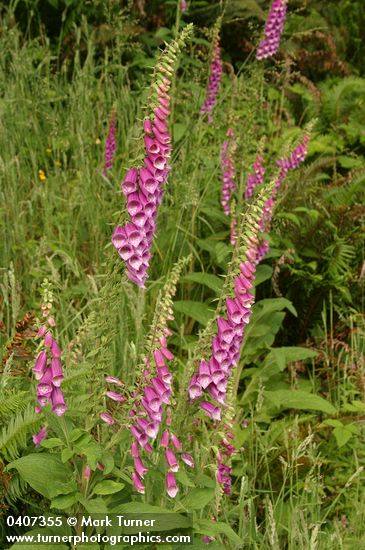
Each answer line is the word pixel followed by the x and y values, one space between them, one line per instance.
pixel 42 175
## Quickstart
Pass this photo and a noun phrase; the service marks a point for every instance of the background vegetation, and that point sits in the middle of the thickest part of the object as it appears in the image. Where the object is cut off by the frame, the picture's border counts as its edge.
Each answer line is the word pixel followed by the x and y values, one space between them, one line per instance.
pixel 300 407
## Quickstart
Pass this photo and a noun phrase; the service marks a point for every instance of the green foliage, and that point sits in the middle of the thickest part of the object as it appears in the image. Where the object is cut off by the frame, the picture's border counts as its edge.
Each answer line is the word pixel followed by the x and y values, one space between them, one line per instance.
pixel 297 394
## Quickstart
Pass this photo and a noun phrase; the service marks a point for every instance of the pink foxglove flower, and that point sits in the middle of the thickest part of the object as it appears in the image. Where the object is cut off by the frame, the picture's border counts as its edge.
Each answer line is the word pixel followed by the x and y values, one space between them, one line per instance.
pixel 256 178
pixel 40 436
pixel 215 78
pixel 48 369
pixel 110 145
pixel 171 487
pixel 273 30
pixel 144 186
pixel 228 171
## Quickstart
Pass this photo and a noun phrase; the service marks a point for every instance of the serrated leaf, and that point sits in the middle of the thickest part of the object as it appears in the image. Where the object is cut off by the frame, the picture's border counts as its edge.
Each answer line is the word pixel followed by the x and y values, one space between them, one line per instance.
pixel 196 310
pixel 108 487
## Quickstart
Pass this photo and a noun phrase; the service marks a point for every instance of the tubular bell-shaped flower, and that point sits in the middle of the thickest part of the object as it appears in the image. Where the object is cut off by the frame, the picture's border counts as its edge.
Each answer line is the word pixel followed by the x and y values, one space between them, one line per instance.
pixel 273 30
pixel 215 76
pixel 143 187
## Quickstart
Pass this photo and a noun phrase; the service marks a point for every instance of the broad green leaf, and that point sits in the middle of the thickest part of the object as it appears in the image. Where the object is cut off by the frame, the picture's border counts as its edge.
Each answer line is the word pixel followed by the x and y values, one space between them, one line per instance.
pixel 342 435
pixel 65 501
pixel 198 498
pixel 211 528
pixel 263 273
pixel 207 279
pixel 66 455
pixel 183 478
pixel 293 399
pixel 178 130
pixel 52 442
pixel 332 422
pixel 46 474
pixel 196 310
pixel 94 506
pixel 164 519
pixel 108 487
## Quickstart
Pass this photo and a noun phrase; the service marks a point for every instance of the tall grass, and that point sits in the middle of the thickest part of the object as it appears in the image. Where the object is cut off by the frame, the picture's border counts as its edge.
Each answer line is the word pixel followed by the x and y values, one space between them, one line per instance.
pixel 298 473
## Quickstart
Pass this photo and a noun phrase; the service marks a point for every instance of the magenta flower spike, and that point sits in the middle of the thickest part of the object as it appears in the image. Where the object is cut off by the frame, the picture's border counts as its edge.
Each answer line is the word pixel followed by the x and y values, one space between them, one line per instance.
pixel 228 171
pixel 256 178
pixel 86 472
pixel 273 30
pixel 214 80
pixel 171 487
pixel 110 145
pixel 40 436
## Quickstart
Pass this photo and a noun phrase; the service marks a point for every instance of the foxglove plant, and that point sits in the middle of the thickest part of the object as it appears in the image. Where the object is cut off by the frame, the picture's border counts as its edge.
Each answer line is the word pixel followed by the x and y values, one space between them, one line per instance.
pixel 143 187
pixel 47 369
pixel 256 178
pixel 110 145
pixel 210 382
pixel 285 166
pixel 228 171
pixel 215 77
pixel 273 30
pixel 152 409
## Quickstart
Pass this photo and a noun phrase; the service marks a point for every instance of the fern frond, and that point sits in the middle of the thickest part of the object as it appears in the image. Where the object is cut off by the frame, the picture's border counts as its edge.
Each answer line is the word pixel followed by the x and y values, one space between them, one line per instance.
pixel 12 403
pixel 14 436
pixel 341 255
pixel 348 194
pixel 340 98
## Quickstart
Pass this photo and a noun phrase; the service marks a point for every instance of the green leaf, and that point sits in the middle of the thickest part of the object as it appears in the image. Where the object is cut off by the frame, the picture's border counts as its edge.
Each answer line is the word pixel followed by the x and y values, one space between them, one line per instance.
pixel 263 273
pixel 66 455
pixel 342 435
pixel 211 528
pixel 293 399
pixel 52 442
pixel 165 519
pixel 183 478
pixel 46 474
pixel 65 501
pixel 178 130
pixel 207 279
pixel 198 498
pixel 94 506
pixel 108 487
pixel 196 310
